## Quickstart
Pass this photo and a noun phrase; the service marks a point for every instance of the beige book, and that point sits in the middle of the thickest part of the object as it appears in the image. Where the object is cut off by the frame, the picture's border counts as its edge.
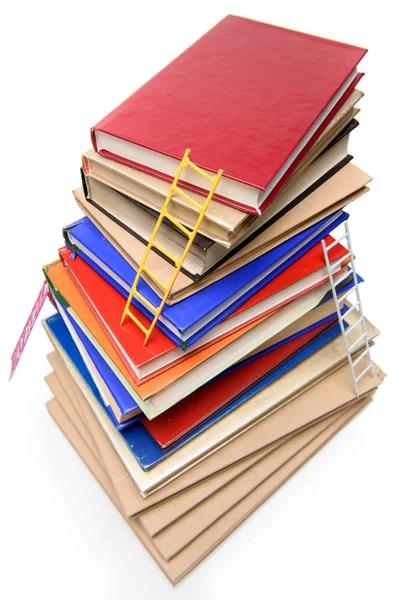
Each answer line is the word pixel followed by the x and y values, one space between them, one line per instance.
pixel 340 190
pixel 179 534
pixel 242 418
pixel 277 429
pixel 200 479
pixel 183 562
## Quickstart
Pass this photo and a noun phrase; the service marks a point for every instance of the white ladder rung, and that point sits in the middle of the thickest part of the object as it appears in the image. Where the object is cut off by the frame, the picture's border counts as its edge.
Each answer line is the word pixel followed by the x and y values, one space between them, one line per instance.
pixel 348 274
pixel 336 242
pixel 358 340
pixel 369 368
pixel 337 263
pixel 348 312
pixel 350 329
pixel 339 299
pixel 347 294
pixel 359 358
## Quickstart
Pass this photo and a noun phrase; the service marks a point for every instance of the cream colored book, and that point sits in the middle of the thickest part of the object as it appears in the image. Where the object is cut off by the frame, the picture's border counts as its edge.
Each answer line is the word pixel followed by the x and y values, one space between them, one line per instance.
pixel 243 417
pixel 191 488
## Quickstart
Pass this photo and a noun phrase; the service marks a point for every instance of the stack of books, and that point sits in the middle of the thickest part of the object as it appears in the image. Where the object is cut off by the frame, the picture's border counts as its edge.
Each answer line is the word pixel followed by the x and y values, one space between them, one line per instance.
pixel 191 418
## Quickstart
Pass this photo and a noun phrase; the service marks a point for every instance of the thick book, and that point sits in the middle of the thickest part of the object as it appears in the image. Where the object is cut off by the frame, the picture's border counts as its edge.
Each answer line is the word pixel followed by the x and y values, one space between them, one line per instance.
pixel 247 490
pixel 188 321
pixel 204 255
pixel 255 109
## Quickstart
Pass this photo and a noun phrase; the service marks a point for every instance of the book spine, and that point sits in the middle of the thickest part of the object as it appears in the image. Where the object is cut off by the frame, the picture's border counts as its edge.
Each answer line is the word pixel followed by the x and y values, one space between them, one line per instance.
pixel 85 165
pixel 93 138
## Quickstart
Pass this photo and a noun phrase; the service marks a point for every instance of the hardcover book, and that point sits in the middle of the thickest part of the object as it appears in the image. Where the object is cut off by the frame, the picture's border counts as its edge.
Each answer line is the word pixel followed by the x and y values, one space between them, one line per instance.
pixel 238 120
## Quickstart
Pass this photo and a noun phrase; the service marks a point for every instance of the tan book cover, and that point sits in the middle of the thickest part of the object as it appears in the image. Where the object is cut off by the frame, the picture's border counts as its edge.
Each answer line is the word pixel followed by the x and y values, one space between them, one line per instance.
pixel 166 512
pixel 277 425
pixel 243 417
pixel 185 560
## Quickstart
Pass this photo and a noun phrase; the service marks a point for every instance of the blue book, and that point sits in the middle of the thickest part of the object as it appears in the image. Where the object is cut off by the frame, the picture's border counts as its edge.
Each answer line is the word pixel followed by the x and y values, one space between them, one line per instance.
pixel 190 319
pixel 60 331
pixel 143 447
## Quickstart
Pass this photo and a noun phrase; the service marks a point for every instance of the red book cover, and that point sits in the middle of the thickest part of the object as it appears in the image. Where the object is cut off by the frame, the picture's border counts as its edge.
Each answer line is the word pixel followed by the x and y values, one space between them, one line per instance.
pixel 309 263
pixel 110 304
pixel 242 98
pixel 179 420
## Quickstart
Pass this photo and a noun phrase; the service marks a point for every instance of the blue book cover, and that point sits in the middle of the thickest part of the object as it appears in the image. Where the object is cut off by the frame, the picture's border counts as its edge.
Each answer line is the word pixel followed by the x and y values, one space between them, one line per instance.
pixel 190 312
pixel 123 399
pixel 60 331
pixel 143 447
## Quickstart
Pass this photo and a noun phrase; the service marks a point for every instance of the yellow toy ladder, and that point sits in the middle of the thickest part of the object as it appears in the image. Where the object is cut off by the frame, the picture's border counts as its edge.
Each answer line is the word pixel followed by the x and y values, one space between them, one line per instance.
pixel 177 261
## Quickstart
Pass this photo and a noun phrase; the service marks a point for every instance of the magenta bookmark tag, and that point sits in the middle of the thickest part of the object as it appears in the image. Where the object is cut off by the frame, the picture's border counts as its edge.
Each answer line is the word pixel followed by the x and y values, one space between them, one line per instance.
pixel 19 348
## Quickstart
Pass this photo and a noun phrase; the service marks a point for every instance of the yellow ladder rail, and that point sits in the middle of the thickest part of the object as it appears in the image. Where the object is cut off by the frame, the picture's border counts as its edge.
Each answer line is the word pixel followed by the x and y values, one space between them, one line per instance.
pixel 178 261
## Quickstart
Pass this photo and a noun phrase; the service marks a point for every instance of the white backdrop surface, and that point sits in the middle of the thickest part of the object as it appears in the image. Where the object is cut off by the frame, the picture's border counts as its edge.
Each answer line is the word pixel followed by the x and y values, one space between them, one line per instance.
pixel 333 530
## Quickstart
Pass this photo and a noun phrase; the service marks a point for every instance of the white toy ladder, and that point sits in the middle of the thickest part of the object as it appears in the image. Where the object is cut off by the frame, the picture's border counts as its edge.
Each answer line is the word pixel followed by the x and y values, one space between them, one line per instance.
pixel 331 266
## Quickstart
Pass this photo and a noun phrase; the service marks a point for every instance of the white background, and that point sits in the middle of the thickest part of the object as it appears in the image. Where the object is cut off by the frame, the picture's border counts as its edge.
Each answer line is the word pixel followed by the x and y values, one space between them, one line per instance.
pixel 333 530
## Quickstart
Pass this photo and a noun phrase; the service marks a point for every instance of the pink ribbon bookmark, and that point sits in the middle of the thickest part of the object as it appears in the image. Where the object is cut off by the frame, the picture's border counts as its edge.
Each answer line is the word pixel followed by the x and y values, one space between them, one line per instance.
pixel 19 348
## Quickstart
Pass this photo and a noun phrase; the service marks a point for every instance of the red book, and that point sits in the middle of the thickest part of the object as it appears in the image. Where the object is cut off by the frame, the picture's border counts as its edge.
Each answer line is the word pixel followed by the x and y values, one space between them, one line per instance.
pixel 248 97
pixel 312 262
pixel 178 421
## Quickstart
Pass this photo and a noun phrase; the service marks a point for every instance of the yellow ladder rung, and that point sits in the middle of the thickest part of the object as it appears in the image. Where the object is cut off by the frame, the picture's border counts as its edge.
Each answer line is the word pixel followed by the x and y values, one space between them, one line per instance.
pixel 145 301
pixel 178 224
pixel 177 261
pixel 188 198
pixel 154 277
pixel 136 321
pixel 200 171
pixel 164 251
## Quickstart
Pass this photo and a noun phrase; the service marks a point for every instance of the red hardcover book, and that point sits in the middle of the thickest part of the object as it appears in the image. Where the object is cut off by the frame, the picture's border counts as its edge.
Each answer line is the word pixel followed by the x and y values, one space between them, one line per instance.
pixel 312 262
pixel 248 97
pixel 178 421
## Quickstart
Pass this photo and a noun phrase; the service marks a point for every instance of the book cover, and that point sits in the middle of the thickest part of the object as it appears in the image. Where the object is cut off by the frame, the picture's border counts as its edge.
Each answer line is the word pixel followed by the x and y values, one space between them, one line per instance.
pixel 165 389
